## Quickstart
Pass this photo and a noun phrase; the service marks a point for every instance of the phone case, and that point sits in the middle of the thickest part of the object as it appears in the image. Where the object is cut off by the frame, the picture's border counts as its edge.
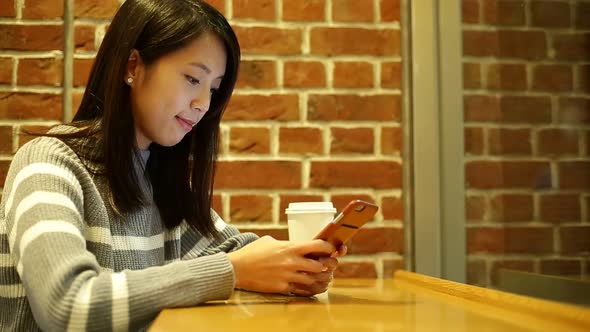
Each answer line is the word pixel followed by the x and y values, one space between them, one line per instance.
pixel 347 222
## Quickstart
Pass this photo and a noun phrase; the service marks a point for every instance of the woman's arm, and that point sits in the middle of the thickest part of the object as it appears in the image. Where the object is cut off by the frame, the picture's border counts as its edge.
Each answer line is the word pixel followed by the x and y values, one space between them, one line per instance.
pixel 64 284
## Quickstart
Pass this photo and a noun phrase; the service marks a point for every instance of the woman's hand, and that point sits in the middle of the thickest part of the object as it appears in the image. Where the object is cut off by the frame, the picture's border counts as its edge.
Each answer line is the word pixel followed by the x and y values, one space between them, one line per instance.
pixel 272 266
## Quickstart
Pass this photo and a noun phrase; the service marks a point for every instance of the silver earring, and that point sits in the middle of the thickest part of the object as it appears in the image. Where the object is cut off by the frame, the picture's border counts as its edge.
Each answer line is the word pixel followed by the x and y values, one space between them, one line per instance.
pixel 130 80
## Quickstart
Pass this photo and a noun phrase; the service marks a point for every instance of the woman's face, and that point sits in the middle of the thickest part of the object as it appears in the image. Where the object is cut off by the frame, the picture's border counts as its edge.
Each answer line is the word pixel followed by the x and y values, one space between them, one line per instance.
pixel 173 94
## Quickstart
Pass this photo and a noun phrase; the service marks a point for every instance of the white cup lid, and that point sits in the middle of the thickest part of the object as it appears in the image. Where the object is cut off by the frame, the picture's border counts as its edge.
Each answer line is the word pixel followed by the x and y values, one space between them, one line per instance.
pixel 310 207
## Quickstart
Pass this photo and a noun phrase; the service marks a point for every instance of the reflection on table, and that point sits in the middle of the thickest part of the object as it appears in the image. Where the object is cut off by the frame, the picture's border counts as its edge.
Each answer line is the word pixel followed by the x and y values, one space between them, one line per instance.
pixel 409 302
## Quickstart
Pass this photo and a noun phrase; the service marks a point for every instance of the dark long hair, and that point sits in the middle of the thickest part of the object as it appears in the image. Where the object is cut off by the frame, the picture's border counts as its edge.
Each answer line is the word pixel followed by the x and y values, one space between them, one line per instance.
pixel 181 175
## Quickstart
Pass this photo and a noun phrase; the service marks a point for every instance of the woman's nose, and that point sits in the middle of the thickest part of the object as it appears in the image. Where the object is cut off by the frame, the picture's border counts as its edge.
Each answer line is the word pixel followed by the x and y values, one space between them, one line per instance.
pixel 201 101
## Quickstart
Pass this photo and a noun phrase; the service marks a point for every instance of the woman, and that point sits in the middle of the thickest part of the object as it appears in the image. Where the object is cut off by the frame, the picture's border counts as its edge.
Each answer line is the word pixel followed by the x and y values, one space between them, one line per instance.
pixel 107 220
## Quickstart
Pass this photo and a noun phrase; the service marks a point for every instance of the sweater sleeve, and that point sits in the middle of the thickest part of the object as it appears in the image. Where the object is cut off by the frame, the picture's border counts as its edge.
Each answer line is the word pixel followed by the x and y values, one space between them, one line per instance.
pixel 230 239
pixel 64 284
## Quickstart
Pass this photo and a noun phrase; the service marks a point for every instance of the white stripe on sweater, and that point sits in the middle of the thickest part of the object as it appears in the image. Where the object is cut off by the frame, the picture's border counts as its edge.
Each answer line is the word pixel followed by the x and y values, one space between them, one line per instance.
pixel 38 197
pixel 81 307
pixel 12 291
pixel 41 168
pixel 98 234
pixel 44 227
pixel 138 243
pixel 120 298
pixel 6 260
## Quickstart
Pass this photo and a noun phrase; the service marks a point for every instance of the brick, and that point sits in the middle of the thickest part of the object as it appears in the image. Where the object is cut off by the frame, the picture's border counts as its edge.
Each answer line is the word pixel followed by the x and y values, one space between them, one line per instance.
pixel 43 9
pixel 4 165
pixel 262 107
pixel 301 140
pixel 353 74
pixel 473 140
pixel 304 10
pixel 554 78
pixel 480 43
pixel 550 14
pixel 217 206
pixel 352 140
pixel 560 207
pixel 6 139
pixel 471 75
pixel 350 269
pixel 43 71
pixel 257 74
pixel 574 175
pixel 392 140
pixel 508 141
pixel 574 111
pixel 509 240
pixel 574 239
pixel 355 174
pixel 84 36
pixel 76 100
pixel 389 10
pixel 376 240
pixel 337 41
pixel 285 199
pixel 304 74
pixel 258 174
pixel 507 109
pixel 504 12
pixel 391 75
pixel 582 15
pixel 567 267
pixel 475 208
pixel 572 46
pixel 477 272
pixel 94 9
pixel 341 200
pixel 260 10
pixel 384 107
pixel 352 10
pixel 479 108
pixel 503 76
pixel 528 45
pixel 392 208
pixel 7 8
pixel 31 37
pixel 470 11
pixel 249 140
pixel 24 130
pixel 217 4
pixel 6 65
pixel 390 266
pixel 250 208
pixel 525 109
pixel 266 40
pixel 558 142
pixel 512 207
pixel 583 74
pixel 82 68
pixel 508 174
pixel 24 105
pixel 509 264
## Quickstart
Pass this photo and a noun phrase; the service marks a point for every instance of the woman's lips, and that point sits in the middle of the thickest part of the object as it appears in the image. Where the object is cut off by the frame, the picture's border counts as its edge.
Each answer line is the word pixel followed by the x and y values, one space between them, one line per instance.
pixel 185 124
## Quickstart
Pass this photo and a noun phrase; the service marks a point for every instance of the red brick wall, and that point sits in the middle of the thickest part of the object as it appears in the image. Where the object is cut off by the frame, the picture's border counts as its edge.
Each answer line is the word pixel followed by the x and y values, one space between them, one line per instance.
pixel 527 133
pixel 316 115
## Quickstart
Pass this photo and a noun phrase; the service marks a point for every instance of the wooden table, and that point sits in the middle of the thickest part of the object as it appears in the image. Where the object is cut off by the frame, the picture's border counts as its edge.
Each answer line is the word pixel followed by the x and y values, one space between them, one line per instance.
pixel 409 302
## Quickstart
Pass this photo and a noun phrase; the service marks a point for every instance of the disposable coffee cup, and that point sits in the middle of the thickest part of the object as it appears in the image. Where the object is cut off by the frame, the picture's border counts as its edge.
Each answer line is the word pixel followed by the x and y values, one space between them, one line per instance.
pixel 306 219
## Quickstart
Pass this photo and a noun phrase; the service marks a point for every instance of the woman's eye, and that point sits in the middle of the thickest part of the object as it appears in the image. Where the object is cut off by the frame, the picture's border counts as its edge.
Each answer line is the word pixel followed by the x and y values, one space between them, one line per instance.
pixel 191 80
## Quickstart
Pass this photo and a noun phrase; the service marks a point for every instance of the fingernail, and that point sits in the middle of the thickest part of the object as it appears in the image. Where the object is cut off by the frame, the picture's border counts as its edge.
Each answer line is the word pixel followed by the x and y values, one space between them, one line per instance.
pixel 325 269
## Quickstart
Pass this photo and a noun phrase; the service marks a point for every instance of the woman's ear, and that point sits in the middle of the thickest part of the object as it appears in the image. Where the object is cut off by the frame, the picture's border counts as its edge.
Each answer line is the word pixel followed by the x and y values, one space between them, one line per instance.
pixel 133 64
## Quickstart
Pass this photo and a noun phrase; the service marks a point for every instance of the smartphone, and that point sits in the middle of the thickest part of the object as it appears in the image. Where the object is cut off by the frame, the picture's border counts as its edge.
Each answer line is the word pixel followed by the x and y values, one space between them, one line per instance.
pixel 348 222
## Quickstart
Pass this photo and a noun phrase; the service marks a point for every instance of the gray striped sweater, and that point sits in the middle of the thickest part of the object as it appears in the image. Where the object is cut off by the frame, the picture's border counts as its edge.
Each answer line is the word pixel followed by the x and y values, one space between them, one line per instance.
pixel 67 262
